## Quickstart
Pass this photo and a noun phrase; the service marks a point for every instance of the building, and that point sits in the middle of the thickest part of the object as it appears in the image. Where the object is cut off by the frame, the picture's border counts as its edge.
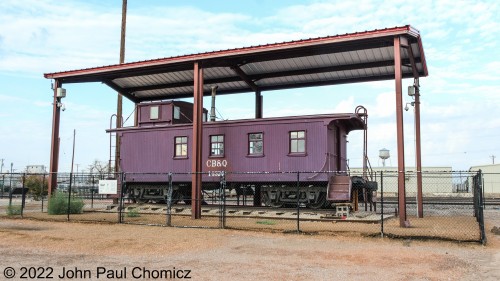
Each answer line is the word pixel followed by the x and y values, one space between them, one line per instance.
pixel 36 169
pixel 436 181
pixel 491 178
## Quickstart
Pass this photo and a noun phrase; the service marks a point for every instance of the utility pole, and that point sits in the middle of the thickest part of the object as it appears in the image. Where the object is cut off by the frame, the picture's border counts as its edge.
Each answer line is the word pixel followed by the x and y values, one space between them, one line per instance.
pixel 119 116
pixel 493 158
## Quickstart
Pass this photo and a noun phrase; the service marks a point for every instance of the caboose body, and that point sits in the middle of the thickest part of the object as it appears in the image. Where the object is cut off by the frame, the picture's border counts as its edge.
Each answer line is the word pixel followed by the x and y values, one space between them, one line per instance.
pixel 316 144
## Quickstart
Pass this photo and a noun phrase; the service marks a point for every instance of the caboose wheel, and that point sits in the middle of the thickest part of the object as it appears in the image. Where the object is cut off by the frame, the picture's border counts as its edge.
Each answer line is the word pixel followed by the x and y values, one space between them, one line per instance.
pixel 319 203
pixel 270 203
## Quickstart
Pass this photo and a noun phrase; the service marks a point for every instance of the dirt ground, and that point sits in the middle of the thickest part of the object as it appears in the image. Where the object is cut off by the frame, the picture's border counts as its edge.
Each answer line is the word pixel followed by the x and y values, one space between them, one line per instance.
pixel 120 251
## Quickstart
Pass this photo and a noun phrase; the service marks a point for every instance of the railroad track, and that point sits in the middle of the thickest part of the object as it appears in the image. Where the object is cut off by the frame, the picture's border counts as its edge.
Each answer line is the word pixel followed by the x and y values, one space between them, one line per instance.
pixel 443 201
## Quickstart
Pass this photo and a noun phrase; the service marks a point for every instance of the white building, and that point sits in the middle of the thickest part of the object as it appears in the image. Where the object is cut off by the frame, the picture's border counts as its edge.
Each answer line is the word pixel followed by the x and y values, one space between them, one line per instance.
pixel 491 178
pixel 436 181
pixel 36 169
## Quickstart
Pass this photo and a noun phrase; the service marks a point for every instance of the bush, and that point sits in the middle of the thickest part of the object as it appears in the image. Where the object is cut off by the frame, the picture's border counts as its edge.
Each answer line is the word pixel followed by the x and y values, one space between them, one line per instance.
pixel 133 213
pixel 37 186
pixel 58 204
pixel 14 210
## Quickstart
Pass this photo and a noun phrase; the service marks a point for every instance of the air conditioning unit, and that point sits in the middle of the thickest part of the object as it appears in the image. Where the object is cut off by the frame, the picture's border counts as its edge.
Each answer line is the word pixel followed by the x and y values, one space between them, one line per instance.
pixel 61 92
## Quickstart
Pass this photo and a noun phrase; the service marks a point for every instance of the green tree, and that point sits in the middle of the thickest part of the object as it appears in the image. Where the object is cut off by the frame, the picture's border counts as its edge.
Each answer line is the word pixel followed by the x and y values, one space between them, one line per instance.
pixel 37 186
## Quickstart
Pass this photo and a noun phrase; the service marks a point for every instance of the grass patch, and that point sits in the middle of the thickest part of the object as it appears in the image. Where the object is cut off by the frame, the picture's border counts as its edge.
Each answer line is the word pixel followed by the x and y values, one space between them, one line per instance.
pixel 133 213
pixel 58 204
pixel 266 222
pixel 14 210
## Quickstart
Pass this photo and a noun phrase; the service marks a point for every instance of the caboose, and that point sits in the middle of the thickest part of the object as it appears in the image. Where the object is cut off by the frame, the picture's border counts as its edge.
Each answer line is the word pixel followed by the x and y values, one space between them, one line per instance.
pixel 243 149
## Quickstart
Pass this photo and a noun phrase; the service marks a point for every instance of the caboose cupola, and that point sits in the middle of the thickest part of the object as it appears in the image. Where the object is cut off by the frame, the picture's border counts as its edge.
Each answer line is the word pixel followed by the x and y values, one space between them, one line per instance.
pixel 165 113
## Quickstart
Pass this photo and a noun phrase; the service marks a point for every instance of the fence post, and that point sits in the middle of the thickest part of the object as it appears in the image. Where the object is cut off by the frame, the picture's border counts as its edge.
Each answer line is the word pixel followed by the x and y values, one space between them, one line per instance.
pixel 222 205
pixel 23 197
pixel 10 191
pixel 2 186
pixel 480 213
pixel 43 189
pixel 69 192
pixel 120 200
pixel 483 200
pixel 298 202
pixel 382 204
pixel 92 193
pixel 169 200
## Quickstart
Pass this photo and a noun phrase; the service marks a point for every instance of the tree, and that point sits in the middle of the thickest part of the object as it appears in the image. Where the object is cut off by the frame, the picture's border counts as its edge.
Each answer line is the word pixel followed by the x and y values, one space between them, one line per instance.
pixel 99 168
pixel 37 185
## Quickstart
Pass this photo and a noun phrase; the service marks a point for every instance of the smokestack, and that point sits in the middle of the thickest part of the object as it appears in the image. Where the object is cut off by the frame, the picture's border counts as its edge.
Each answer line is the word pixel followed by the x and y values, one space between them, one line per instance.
pixel 212 109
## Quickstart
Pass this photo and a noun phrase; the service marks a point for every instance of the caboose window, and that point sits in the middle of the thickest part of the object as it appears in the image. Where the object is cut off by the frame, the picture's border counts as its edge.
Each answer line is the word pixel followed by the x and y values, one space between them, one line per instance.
pixel 181 147
pixel 177 112
pixel 298 142
pixel 154 112
pixel 255 144
pixel 217 145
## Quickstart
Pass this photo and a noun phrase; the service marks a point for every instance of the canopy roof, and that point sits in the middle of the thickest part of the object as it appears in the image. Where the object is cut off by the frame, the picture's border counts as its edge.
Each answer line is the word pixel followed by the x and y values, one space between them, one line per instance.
pixel 347 58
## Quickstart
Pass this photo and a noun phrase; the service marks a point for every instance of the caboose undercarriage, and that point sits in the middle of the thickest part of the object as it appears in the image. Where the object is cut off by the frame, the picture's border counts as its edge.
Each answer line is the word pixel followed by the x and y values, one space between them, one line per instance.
pixel 312 195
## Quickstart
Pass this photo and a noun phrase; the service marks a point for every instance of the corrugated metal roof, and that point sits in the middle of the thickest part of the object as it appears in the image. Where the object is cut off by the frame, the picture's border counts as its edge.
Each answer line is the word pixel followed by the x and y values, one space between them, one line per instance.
pixel 348 58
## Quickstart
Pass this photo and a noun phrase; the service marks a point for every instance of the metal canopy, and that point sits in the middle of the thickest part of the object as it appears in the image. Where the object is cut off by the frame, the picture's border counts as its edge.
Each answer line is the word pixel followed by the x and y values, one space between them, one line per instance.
pixel 383 54
pixel 348 58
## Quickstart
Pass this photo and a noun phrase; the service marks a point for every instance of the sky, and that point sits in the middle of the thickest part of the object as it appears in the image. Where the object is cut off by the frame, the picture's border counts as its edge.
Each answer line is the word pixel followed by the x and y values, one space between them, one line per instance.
pixel 460 99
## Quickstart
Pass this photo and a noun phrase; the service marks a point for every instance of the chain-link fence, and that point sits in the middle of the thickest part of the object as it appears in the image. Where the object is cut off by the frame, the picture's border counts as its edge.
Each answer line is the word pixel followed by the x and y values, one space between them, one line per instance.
pixel 449 205
pixel 300 202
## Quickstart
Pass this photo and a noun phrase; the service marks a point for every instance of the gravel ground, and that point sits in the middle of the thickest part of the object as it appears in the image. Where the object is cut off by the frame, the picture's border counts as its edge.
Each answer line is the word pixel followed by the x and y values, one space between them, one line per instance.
pixel 85 250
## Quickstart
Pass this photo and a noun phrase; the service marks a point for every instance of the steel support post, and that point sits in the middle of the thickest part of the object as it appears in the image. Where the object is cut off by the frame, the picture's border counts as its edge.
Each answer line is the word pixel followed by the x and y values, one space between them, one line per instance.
pixel 54 145
pixel 398 76
pixel 197 142
pixel 258 104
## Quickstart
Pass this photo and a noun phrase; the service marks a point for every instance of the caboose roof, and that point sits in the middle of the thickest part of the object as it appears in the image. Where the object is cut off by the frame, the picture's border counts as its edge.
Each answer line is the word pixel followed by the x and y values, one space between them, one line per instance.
pixel 351 121
pixel 339 59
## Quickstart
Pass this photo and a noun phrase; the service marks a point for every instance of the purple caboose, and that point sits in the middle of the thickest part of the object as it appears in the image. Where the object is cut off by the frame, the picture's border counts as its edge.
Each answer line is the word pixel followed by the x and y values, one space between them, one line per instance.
pixel 161 143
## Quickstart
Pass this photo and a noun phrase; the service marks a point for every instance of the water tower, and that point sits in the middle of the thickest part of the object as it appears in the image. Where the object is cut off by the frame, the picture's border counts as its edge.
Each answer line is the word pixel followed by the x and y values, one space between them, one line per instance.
pixel 384 155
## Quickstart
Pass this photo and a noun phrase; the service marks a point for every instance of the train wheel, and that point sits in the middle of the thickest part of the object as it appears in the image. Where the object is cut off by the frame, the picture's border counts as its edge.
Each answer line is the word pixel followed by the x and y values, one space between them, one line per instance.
pixel 270 203
pixel 320 203
pixel 142 200
pixel 176 197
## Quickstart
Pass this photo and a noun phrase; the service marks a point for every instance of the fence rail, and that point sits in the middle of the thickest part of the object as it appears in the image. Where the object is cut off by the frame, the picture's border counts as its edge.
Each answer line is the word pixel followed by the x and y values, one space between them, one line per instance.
pixel 453 203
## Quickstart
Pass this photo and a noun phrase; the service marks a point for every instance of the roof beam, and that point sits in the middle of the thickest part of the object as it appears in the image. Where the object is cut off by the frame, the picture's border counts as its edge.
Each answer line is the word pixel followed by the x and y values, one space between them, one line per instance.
pixel 124 92
pixel 326 69
pixel 284 87
pixel 245 77
pixel 249 79
pixel 183 84
pixel 331 82
pixel 413 62
pixel 304 51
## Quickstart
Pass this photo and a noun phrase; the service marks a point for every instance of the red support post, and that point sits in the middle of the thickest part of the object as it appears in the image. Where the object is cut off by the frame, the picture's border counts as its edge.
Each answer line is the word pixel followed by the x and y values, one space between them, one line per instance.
pixel 197 142
pixel 258 104
pixel 54 145
pixel 398 76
